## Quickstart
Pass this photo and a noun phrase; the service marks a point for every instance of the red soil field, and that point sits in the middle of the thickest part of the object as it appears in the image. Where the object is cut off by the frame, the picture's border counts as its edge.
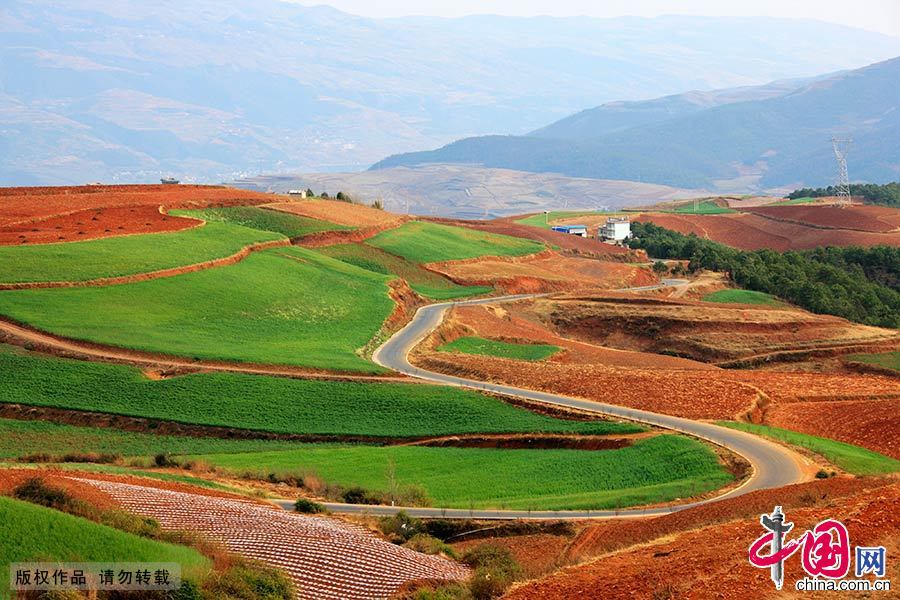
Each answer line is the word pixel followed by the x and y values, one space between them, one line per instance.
pixel 537 554
pixel 832 217
pixel 326 558
pixel 712 562
pixel 66 214
pixel 872 424
pixel 748 231
pixel 342 213
pixel 544 272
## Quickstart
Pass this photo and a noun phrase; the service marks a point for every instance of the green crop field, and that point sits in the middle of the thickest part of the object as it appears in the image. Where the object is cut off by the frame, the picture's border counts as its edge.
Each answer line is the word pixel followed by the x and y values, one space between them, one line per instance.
pixel 267 220
pixel 706 207
pixel 888 360
pixel 428 284
pixel 479 345
pixel 272 403
pixel 28 438
pixel 283 306
pixel 422 242
pixel 546 221
pixel 742 297
pixel 850 458
pixel 655 469
pixel 125 255
pixel 35 533
pixel 796 201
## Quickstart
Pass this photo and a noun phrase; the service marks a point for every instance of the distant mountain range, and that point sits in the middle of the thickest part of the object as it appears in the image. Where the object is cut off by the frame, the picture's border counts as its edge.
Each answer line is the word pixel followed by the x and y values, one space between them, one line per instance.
pixel 203 90
pixel 743 139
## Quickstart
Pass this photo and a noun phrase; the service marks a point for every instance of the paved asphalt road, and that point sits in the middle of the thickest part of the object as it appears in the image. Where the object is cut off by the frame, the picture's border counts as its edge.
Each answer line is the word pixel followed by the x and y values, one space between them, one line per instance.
pixel 772 465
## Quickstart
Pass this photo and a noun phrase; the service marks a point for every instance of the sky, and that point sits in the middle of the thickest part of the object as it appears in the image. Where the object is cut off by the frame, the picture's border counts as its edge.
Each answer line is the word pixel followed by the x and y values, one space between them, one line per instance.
pixel 876 15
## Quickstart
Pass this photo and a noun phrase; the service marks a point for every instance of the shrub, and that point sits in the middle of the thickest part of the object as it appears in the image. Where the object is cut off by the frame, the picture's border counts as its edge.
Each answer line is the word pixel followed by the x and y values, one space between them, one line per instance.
pixel 304 505
pixel 426 544
pixel 249 581
pixel 358 495
pixel 495 570
pixel 401 527
pixel 162 460
pixel 36 491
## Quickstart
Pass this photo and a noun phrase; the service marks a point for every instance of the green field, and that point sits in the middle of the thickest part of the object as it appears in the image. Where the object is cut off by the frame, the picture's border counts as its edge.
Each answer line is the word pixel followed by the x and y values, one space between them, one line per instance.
pixel 254 217
pixel 422 242
pixel 34 533
pixel 795 201
pixel 283 306
pixel 887 360
pixel 546 221
pixel 656 469
pixel 271 403
pixel 479 345
pixel 428 284
pixel 850 458
pixel 707 207
pixel 125 255
pixel 731 296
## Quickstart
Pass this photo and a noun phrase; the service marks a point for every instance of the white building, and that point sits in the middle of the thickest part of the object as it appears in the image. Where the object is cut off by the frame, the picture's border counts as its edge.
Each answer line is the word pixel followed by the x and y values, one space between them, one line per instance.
pixel 616 229
pixel 579 230
pixel 301 193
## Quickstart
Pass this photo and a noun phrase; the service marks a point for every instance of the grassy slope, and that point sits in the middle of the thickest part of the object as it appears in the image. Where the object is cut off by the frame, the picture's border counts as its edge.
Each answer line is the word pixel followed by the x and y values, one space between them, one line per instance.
pixel 655 469
pixel 848 457
pixel 29 532
pixel 267 220
pixel 422 242
pixel 704 208
pixel 125 255
pixel 478 345
pixel 283 306
pixel 423 281
pixel 741 297
pixel 888 360
pixel 270 403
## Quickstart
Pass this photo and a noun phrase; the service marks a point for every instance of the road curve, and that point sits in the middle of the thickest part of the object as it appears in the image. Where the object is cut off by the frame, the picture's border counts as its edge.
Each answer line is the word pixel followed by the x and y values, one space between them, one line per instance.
pixel 772 465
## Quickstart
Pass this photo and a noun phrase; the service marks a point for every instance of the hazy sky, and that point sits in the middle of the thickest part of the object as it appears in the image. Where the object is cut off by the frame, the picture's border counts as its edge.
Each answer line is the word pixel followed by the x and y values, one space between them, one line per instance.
pixel 876 15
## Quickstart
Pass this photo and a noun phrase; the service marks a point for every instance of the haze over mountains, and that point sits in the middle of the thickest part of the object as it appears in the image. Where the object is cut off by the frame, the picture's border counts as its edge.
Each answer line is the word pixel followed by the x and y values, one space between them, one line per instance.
pixel 744 139
pixel 123 90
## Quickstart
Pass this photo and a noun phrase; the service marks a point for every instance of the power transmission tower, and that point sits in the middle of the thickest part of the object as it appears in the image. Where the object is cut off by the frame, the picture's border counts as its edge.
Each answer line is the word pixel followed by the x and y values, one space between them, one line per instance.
pixel 841 146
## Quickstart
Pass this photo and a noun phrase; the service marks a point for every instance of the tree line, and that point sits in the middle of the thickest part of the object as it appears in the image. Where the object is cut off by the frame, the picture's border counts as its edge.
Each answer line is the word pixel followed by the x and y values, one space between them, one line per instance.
pixel 887 194
pixel 859 284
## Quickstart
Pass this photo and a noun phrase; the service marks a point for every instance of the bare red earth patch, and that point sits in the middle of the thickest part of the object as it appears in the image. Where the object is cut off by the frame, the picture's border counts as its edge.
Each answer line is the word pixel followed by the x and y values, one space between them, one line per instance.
pixel 860 218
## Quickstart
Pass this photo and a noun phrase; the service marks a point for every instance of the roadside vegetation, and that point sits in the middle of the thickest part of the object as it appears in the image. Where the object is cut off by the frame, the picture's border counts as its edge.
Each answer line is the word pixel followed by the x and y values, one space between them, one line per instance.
pixel 282 306
pixel 655 469
pixel 850 458
pixel 287 224
pixel 887 360
pixel 741 297
pixel 421 280
pixel 479 345
pixel 852 283
pixel 275 404
pixel 887 194
pixel 424 242
pixel 125 255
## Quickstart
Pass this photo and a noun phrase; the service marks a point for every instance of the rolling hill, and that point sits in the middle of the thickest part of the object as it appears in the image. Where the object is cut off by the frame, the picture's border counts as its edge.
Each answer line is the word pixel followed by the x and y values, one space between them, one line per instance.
pixel 772 136
pixel 209 91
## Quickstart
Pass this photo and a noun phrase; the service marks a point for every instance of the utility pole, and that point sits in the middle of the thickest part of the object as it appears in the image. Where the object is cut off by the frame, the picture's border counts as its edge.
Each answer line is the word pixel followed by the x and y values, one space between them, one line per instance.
pixel 840 147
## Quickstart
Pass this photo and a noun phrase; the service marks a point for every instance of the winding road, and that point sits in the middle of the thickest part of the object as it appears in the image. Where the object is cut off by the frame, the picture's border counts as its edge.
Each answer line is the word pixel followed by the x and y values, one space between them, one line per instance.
pixel 772 465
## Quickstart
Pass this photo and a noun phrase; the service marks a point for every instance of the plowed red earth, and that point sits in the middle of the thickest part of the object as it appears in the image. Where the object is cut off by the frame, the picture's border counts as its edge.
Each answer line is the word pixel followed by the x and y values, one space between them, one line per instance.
pixel 66 214
pixel 342 213
pixel 326 558
pixel 753 232
pixel 712 562
pixel 547 271
pixel 872 424
pixel 832 217
pixel 536 554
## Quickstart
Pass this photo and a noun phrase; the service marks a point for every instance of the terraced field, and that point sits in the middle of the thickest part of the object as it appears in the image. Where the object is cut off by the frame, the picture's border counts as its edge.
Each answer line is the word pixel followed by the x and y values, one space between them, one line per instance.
pixel 35 533
pixel 286 224
pixel 423 242
pixel 478 345
pixel 280 405
pixel 126 255
pixel 424 282
pixel 652 470
pixel 319 315
pixel 741 297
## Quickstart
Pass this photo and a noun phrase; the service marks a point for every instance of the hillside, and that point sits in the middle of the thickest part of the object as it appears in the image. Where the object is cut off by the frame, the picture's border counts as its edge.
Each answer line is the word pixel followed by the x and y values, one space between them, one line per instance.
pixel 769 142
pixel 207 91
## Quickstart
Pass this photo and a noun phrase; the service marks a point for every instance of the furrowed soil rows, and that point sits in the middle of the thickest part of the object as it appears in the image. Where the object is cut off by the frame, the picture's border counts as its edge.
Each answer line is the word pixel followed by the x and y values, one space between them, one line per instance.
pixel 64 214
pixel 342 213
pixel 859 218
pixel 325 558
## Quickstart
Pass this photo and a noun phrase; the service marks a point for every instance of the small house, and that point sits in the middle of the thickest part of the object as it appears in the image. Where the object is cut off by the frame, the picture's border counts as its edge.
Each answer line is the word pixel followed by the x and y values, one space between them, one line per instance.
pixel 579 230
pixel 299 193
pixel 616 229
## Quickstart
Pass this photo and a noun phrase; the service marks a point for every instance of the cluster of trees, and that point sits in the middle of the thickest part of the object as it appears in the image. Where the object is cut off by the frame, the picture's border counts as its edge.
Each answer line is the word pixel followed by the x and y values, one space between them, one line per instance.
pixel 887 194
pixel 855 283
pixel 343 197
